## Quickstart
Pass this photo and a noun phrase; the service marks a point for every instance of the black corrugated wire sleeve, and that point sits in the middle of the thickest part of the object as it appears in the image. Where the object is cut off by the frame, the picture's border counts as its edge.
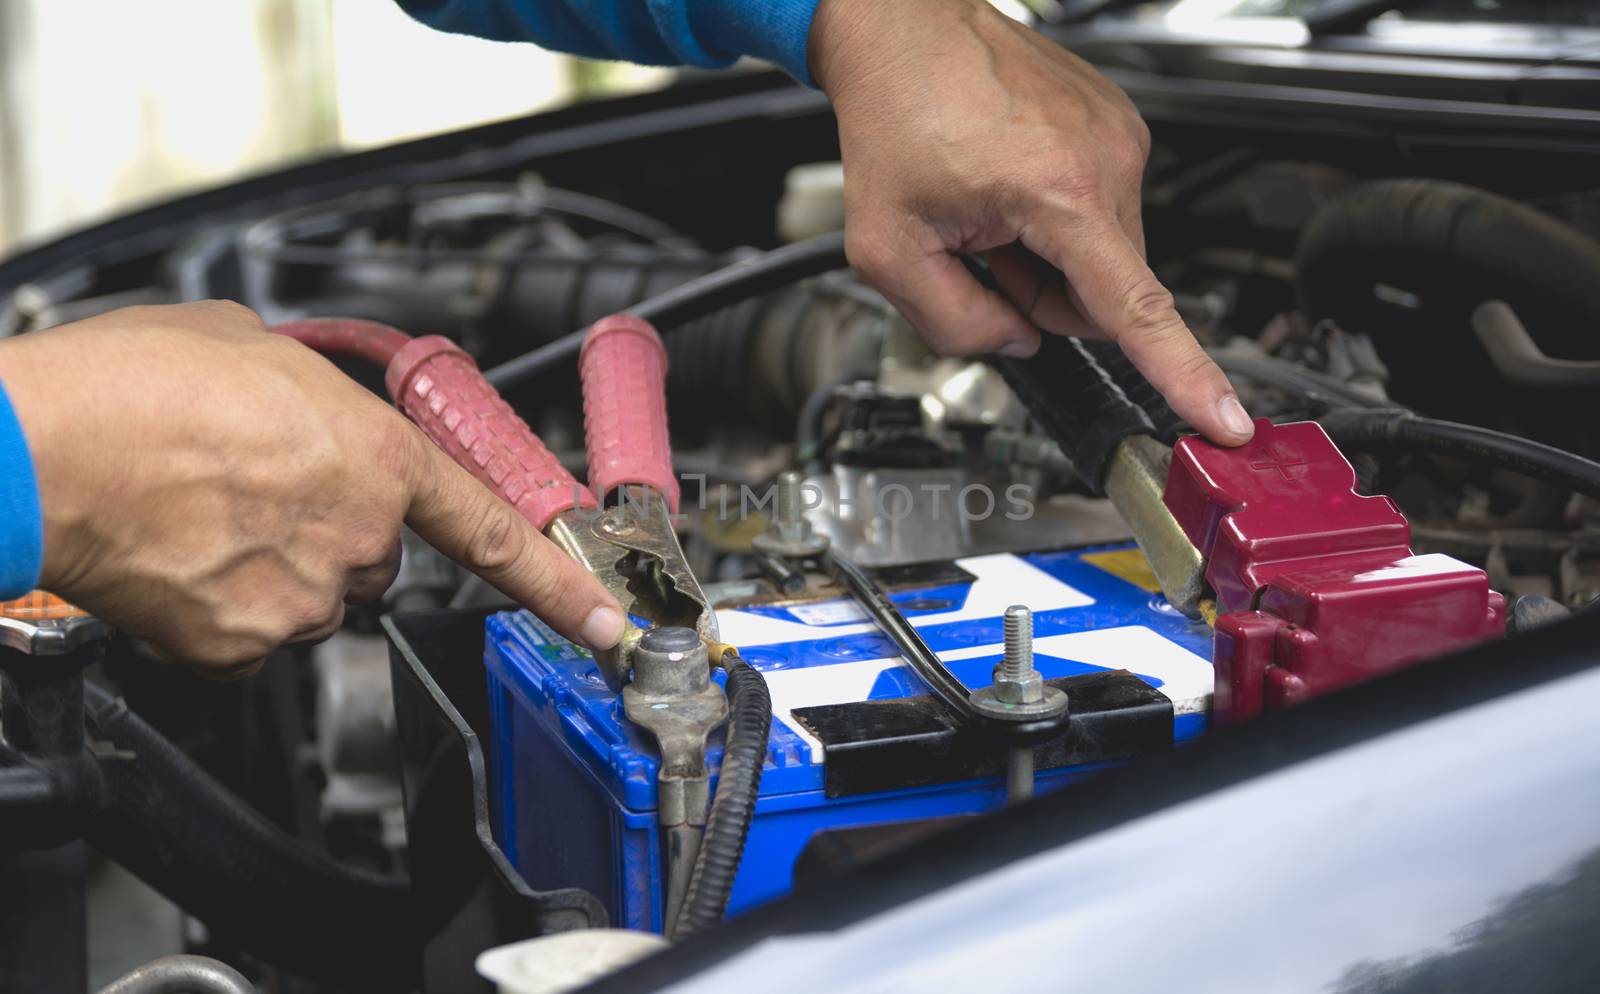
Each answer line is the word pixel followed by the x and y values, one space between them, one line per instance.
pixel 738 786
pixel 1077 403
pixel 1169 427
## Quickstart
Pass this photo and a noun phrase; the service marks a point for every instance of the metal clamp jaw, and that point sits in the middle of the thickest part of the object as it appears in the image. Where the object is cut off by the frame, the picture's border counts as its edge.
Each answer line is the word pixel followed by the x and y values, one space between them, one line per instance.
pixel 633 549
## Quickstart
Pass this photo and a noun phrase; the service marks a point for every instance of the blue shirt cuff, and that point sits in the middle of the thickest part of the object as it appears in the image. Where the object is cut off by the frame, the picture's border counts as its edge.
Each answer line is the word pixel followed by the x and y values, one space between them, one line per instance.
pixel 21 519
pixel 706 33
pixel 777 31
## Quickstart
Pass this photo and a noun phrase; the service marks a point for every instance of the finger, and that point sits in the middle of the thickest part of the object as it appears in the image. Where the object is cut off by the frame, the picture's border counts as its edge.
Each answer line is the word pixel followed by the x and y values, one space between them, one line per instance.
pixel 368 584
pixel 1131 217
pixel 1119 293
pixel 467 522
pixel 1039 291
pixel 954 313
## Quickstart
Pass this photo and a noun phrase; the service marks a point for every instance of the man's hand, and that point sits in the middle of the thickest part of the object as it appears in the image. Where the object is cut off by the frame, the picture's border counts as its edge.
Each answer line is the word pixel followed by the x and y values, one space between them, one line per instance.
pixel 963 131
pixel 218 490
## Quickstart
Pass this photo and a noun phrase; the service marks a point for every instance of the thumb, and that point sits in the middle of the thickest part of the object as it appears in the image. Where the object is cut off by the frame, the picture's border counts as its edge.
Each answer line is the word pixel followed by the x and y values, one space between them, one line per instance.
pixel 466 521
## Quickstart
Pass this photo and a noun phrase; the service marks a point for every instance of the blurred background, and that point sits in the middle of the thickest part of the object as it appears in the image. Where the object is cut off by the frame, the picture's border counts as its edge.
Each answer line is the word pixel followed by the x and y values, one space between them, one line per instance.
pixel 106 105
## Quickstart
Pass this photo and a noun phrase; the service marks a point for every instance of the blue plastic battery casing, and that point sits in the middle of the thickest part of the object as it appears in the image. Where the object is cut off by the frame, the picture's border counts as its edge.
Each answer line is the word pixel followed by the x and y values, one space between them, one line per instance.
pixel 573 782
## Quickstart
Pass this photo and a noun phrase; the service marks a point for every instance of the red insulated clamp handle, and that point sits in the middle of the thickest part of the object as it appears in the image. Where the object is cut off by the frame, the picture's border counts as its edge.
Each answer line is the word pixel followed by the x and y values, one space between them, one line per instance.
pixel 439 387
pixel 624 369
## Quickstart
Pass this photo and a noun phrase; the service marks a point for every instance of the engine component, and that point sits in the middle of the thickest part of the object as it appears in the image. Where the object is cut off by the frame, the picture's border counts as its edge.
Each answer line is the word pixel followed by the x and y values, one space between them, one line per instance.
pixel 813 201
pixel 1316 586
pixel 1518 357
pixel 693 299
pixel 790 535
pixel 1407 262
pixel 50 788
pixel 1368 431
pixel 181 975
pixel 458 258
pixel 501 267
pixel 356 745
pixel 179 830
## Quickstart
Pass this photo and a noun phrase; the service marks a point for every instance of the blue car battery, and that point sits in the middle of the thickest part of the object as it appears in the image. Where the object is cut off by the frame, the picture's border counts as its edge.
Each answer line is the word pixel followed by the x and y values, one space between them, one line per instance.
pixel 855 739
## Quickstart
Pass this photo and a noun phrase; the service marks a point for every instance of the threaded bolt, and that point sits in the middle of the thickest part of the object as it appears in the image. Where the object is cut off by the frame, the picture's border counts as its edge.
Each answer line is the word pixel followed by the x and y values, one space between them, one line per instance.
pixel 788 504
pixel 1017 664
pixel 790 534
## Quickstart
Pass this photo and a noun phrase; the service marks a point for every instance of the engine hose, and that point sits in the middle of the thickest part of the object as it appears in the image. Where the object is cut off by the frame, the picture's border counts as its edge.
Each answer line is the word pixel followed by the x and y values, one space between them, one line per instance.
pixel 1321 391
pixel 738 784
pixel 1406 262
pixel 1398 431
pixel 696 298
pixel 211 854
pixel 181 975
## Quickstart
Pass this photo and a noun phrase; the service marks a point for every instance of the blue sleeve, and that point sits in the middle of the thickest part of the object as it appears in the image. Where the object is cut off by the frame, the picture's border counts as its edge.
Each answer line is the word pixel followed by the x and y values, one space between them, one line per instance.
pixel 706 33
pixel 21 521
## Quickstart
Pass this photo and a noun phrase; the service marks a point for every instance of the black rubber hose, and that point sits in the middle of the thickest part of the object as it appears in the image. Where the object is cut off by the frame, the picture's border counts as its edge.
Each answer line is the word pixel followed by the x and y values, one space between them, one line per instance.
pixel 1406 262
pixel 808 426
pixel 1380 432
pixel 696 298
pixel 738 785
pixel 1321 391
pixel 24 789
pixel 187 836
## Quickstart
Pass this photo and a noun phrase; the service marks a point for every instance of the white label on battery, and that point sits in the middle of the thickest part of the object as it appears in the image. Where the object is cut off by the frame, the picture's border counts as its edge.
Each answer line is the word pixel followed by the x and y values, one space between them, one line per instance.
pixel 997 580
pixel 828 612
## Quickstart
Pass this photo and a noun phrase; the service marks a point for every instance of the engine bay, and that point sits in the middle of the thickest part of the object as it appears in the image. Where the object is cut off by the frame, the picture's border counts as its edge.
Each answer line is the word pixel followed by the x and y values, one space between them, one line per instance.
pixel 1378 282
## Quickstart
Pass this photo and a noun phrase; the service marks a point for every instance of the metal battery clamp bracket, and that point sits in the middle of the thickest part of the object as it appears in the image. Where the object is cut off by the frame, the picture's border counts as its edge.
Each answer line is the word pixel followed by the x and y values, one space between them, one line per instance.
pixel 672 697
pixel 1018 709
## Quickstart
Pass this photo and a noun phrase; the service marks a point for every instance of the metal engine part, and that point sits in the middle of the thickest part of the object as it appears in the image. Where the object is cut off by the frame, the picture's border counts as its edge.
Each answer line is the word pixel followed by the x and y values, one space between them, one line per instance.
pixel 356 744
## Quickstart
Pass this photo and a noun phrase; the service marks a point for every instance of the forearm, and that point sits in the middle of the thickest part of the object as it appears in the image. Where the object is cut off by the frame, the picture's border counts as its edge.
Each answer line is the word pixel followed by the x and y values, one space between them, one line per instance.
pixel 706 33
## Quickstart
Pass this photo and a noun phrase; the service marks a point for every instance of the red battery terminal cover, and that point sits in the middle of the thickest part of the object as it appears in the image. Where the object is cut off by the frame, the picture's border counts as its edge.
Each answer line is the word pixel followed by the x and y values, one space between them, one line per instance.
pixel 1316 585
